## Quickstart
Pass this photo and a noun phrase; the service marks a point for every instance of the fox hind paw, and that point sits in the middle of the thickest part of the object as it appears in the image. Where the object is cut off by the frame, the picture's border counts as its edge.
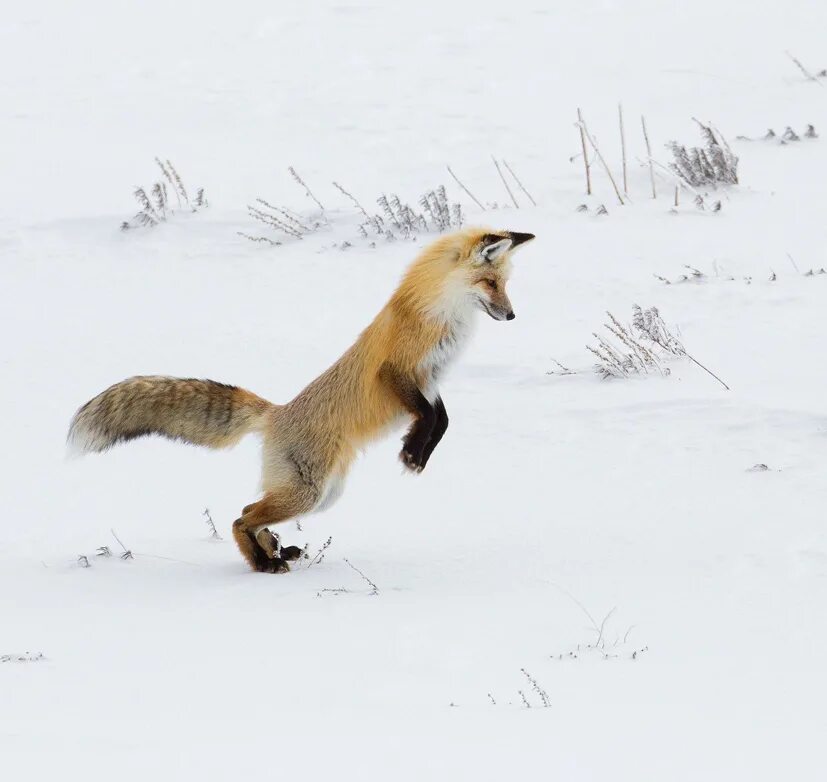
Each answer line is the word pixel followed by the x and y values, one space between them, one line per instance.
pixel 276 565
pixel 291 553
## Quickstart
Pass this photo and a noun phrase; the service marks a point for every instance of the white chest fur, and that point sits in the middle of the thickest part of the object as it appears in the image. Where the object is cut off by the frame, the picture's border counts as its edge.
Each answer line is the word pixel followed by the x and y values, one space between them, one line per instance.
pixel 459 327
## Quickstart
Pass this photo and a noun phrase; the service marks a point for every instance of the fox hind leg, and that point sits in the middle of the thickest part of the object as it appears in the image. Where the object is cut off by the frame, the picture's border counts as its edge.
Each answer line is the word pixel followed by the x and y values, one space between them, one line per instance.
pixel 258 545
pixel 271 543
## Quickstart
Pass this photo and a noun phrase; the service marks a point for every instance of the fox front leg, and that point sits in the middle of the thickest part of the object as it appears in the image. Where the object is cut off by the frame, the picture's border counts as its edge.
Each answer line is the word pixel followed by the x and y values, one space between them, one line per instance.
pixel 414 401
pixel 416 442
pixel 440 427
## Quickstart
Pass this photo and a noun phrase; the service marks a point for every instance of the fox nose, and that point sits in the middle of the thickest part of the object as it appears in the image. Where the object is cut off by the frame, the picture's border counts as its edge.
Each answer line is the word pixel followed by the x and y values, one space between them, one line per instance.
pixel 510 315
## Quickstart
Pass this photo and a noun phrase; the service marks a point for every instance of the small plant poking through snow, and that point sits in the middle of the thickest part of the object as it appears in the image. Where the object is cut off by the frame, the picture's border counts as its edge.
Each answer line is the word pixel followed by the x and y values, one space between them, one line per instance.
pixel 693 275
pixel 156 204
pixel 625 355
pixel 320 554
pixel 638 349
pixel 211 525
pixel 789 135
pixel 127 553
pixel 604 645
pixel 26 657
pixel 396 219
pixel 713 164
pixel 544 699
pixel 374 590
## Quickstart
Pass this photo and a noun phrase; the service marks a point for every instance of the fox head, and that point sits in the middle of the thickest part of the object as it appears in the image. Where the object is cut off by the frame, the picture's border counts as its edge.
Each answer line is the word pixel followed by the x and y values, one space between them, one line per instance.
pixel 462 272
pixel 483 267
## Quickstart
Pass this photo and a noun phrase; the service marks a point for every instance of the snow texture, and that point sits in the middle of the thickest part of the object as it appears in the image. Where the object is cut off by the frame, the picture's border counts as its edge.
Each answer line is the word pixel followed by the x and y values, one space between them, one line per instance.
pixel 651 550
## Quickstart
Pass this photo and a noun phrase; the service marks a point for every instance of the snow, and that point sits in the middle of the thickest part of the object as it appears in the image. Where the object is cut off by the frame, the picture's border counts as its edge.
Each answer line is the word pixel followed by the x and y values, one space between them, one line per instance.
pixel 551 498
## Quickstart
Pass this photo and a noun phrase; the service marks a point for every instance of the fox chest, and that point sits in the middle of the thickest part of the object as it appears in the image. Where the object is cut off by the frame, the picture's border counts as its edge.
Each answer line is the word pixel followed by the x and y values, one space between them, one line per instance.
pixel 442 355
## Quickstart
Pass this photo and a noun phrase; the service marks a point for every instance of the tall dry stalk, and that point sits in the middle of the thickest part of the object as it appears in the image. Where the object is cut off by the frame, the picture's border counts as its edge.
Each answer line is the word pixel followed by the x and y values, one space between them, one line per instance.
pixel 806 73
pixel 649 156
pixel 505 182
pixel 585 153
pixel 600 157
pixel 623 147
pixel 467 191
pixel 307 190
pixel 519 183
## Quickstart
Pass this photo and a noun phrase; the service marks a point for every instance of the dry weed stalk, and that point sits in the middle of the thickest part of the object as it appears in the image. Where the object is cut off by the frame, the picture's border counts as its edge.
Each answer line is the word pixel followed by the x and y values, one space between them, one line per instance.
pixel 593 144
pixel 623 148
pixel 320 554
pixel 585 152
pixel 467 191
pixel 636 354
pixel 352 198
pixel 505 182
pixel 155 205
pixel 649 156
pixel 546 701
pixel 373 587
pixel 307 190
pixel 809 76
pixel 211 525
pixel 519 183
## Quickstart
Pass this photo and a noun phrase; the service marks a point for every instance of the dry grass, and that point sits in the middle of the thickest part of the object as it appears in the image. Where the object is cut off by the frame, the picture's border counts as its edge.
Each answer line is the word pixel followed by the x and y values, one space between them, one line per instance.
pixel 155 202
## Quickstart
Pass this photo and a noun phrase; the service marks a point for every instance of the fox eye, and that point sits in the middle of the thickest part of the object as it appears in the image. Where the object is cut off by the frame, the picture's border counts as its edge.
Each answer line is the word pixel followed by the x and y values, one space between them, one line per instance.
pixel 491 284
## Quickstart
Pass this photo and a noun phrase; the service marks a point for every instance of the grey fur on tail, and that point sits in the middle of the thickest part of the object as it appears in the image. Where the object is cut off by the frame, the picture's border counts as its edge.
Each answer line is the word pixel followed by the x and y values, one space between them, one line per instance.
pixel 201 412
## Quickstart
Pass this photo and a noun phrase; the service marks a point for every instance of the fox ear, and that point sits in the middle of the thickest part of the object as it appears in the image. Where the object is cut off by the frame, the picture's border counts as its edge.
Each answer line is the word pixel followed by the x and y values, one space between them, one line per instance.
pixel 519 238
pixel 496 250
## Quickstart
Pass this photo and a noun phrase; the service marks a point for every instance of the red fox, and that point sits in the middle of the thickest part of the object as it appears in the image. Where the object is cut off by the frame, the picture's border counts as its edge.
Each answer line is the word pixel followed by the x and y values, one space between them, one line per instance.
pixel 388 375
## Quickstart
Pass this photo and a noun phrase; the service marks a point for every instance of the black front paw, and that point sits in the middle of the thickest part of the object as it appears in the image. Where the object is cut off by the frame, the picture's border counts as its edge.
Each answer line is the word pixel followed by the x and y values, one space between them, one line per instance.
pixel 412 458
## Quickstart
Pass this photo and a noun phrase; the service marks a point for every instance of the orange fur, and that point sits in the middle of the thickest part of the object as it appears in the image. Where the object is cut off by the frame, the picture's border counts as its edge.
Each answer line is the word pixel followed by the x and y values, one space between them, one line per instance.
pixel 310 442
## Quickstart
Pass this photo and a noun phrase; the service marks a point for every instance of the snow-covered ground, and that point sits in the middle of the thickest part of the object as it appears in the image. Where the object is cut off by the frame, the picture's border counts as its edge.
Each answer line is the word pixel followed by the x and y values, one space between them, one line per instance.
pixel 556 503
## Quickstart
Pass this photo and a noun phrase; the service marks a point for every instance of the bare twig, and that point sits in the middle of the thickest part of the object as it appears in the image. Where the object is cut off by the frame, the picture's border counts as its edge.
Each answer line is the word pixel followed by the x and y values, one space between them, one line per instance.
pixel 591 141
pixel 649 156
pixel 127 554
pixel 258 239
pixel 211 524
pixel 563 370
pixel 623 147
pixel 795 266
pixel 519 183
pixel 602 626
pixel 505 182
pixel 168 177
pixel 708 371
pixel 352 198
pixel 650 323
pixel 319 555
pixel 178 184
pixel 307 190
pixel 374 588
pixel 585 153
pixel 806 73
pixel 467 191
pixel 537 688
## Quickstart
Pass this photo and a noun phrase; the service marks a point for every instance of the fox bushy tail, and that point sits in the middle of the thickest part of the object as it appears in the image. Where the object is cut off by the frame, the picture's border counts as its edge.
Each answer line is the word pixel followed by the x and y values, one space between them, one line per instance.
pixel 201 412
